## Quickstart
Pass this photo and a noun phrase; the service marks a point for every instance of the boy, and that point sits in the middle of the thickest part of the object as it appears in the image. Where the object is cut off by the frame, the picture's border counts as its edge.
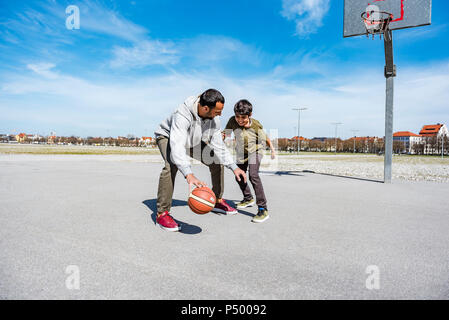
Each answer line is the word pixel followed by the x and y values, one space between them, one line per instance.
pixel 250 141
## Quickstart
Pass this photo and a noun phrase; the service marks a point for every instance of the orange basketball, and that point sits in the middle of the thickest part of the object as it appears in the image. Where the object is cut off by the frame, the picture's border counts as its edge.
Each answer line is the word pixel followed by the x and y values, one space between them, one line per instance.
pixel 202 200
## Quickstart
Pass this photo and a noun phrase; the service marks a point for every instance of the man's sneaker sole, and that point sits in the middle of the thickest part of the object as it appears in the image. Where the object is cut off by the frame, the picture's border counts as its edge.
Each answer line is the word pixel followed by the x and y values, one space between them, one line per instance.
pixel 246 205
pixel 259 221
pixel 169 229
pixel 228 213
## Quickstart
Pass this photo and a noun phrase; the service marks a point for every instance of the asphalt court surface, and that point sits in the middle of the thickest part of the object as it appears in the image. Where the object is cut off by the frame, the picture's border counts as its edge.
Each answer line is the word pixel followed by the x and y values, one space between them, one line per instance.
pixel 323 235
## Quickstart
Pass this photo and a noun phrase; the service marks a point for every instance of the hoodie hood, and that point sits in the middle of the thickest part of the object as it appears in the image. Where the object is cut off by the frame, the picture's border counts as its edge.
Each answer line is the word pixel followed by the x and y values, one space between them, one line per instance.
pixel 192 104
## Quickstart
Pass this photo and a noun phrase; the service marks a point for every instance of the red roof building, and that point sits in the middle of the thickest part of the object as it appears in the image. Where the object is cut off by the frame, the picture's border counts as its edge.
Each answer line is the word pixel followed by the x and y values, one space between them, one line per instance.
pixel 364 139
pixel 431 130
pixel 405 134
pixel 300 138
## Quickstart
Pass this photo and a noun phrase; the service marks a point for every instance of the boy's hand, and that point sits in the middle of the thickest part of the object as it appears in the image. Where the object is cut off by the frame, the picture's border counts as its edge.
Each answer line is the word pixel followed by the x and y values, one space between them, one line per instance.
pixel 192 180
pixel 239 174
pixel 273 154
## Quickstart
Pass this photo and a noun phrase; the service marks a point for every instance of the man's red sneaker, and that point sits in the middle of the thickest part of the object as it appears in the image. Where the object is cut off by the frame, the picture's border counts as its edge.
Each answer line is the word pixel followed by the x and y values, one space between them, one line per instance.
pixel 166 222
pixel 224 208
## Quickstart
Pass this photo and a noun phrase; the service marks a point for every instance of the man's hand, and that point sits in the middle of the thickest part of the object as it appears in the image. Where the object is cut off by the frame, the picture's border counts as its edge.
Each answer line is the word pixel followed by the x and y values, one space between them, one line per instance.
pixel 192 180
pixel 239 174
pixel 273 154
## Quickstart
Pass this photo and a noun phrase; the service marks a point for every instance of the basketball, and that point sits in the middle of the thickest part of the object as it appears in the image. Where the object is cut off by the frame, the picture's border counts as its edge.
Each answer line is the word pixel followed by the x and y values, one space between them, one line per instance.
pixel 202 200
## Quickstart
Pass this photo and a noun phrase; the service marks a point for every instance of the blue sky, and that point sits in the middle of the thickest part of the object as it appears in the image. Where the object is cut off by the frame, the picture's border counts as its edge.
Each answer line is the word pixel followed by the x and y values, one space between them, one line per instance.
pixel 131 63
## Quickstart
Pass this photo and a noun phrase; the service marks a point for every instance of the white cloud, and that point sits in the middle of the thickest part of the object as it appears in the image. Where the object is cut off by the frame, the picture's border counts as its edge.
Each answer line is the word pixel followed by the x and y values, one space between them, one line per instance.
pixel 143 54
pixel 356 99
pixel 308 14
pixel 43 69
pixel 203 50
pixel 206 49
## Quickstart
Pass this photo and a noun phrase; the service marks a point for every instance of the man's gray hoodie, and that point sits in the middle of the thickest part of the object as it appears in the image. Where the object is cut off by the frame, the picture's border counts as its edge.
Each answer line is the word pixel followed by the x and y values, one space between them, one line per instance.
pixel 185 129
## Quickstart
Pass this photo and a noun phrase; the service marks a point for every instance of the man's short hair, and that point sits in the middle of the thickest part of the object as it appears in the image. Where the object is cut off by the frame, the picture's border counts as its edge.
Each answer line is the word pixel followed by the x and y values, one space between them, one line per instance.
pixel 210 98
pixel 243 107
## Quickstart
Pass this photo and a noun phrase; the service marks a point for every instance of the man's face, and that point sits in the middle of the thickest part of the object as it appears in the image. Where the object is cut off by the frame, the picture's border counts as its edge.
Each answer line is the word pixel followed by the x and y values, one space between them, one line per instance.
pixel 208 113
pixel 242 119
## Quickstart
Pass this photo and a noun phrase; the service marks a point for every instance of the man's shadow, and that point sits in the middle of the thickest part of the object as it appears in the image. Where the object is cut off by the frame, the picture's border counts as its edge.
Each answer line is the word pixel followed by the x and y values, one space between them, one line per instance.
pixel 185 227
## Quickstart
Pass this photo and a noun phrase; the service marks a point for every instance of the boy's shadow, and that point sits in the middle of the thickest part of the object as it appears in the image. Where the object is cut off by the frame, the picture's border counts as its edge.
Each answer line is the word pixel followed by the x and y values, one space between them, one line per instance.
pixel 241 211
pixel 185 227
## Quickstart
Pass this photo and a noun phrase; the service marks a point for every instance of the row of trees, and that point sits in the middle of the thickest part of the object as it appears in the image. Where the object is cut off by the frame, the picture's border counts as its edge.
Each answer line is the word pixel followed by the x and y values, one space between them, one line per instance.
pixel 128 141
pixel 369 145
pixel 431 145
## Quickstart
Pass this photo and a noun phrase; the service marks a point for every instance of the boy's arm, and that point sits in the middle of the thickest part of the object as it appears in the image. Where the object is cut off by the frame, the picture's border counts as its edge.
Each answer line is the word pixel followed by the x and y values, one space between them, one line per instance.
pixel 273 151
pixel 264 137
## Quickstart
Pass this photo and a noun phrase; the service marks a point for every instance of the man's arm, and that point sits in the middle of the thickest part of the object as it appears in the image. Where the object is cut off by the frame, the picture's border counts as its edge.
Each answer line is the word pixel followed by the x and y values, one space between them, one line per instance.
pixel 178 139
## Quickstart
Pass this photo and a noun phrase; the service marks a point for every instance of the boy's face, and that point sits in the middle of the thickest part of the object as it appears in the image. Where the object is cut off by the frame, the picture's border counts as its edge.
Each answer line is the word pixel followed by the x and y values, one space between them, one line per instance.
pixel 242 119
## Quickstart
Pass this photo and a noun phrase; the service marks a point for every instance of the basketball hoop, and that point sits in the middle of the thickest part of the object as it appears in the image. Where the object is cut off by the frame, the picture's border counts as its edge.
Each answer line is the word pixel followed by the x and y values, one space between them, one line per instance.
pixel 376 22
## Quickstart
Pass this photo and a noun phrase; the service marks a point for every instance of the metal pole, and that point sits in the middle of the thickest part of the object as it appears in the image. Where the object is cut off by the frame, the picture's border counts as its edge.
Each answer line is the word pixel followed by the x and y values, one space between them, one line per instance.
pixel 299 139
pixel 298 144
pixel 388 130
pixel 390 73
pixel 442 146
pixel 354 131
pixel 336 125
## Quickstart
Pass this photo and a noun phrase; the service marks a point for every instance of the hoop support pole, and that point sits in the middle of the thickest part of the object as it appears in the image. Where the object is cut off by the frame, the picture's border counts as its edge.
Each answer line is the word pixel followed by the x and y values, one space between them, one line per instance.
pixel 390 73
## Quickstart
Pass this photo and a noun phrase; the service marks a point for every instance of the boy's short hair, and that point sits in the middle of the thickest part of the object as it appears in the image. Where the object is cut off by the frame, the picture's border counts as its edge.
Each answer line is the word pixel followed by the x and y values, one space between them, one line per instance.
pixel 210 98
pixel 243 107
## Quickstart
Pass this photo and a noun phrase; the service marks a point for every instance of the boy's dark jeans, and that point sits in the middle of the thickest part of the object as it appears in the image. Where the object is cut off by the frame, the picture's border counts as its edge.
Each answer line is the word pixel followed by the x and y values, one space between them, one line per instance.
pixel 252 165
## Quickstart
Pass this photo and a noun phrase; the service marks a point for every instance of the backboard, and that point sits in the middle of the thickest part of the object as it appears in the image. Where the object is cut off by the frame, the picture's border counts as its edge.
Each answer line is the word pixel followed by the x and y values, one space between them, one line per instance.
pixel 406 14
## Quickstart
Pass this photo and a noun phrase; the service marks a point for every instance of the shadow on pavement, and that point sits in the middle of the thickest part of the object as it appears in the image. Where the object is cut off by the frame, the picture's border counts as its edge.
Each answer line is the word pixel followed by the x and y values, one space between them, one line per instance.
pixel 282 173
pixel 296 173
pixel 241 211
pixel 185 227
pixel 348 177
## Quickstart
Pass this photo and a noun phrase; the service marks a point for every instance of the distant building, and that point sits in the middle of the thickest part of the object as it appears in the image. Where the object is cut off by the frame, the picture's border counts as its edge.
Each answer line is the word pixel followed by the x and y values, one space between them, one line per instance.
pixel 409 139
pixel 21 137
pixel 304 142
pixel 367 144
pixel 146 141
pixel 434 130
pixel 51 139
pixel 300 138
pixel 322 139
pixel 431 136
pixel 364 139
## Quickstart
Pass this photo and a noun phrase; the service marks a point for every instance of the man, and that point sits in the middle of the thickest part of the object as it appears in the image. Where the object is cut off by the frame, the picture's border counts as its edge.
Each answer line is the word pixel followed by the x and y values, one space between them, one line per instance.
pixel 194 129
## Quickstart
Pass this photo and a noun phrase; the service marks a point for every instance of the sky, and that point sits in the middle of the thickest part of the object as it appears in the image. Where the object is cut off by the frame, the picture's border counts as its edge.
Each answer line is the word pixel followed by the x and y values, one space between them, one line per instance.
pixel 131 63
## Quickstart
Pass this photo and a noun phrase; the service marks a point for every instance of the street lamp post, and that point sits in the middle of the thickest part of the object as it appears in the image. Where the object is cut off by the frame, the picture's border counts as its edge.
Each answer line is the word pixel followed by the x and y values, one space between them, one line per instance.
pixel 354 131
pixel 299 119
pixel 336 125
